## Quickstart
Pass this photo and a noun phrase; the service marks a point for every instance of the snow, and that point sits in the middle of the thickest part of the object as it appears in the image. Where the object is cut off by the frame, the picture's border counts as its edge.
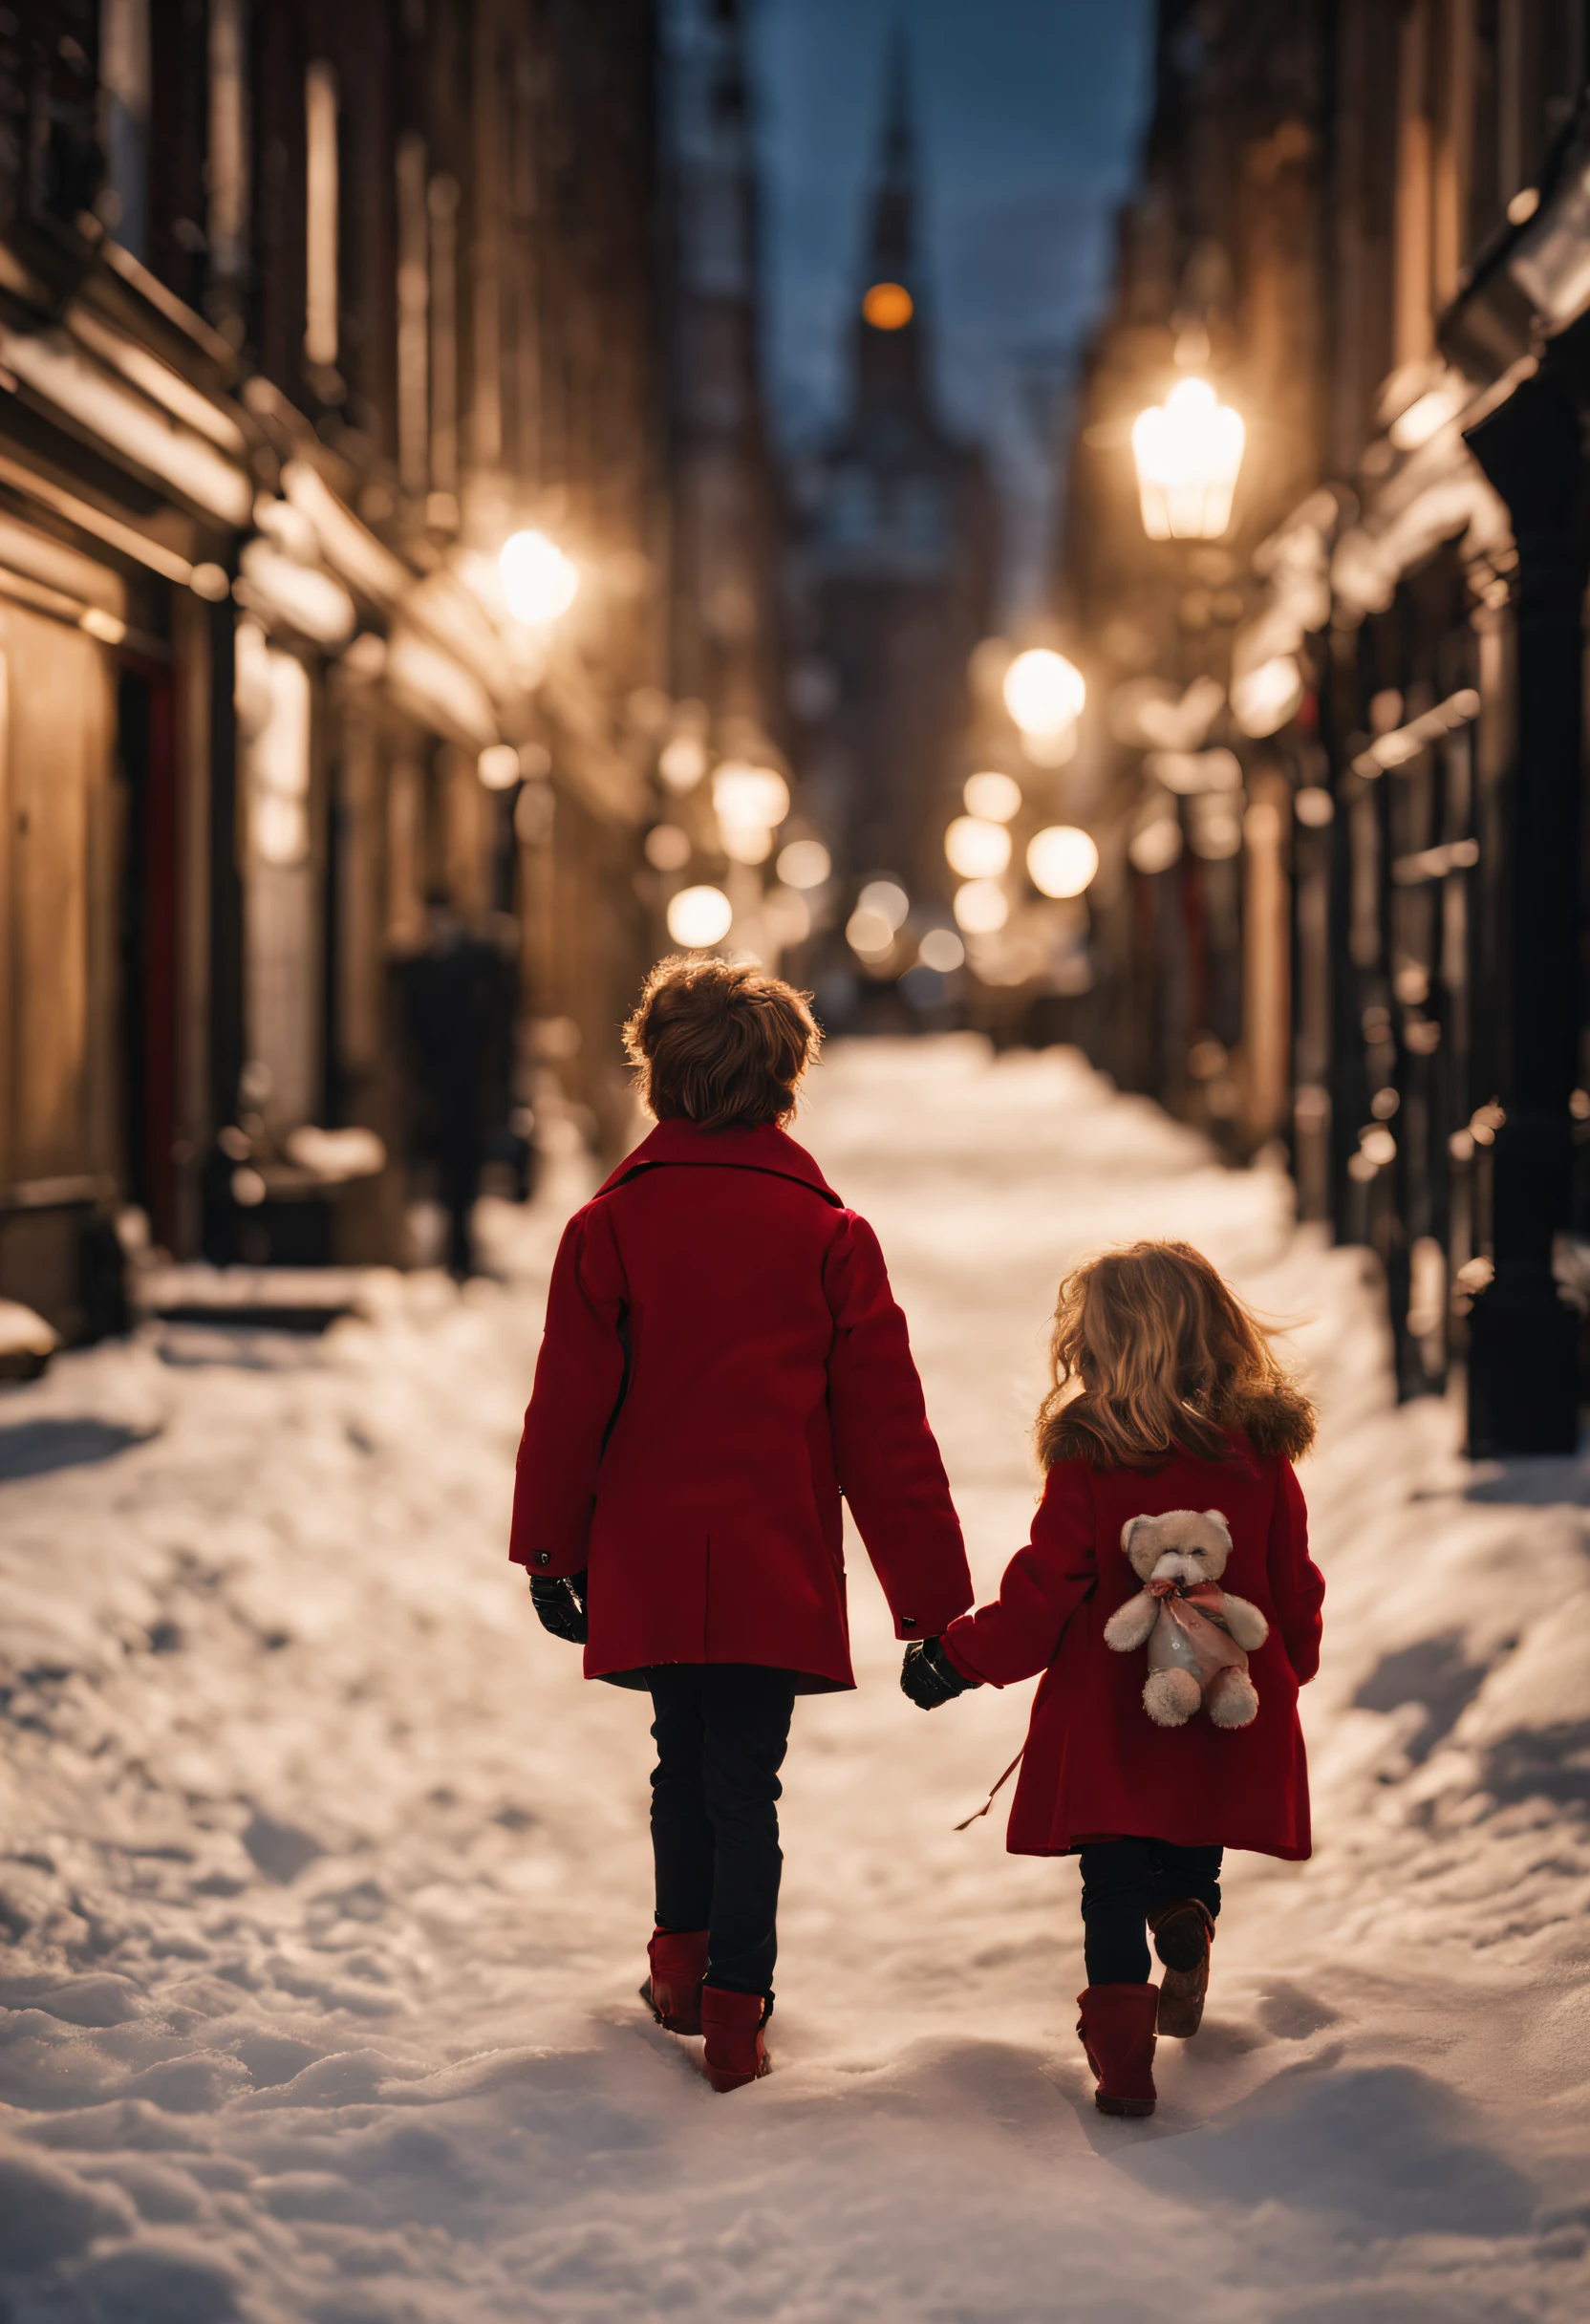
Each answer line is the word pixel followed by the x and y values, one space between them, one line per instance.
pixel 325 1885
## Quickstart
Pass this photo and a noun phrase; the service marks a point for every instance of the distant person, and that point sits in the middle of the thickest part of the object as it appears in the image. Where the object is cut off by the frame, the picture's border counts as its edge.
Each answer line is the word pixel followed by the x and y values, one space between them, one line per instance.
pixel 458 1002
pixel 1169 1422
pixel 724 1359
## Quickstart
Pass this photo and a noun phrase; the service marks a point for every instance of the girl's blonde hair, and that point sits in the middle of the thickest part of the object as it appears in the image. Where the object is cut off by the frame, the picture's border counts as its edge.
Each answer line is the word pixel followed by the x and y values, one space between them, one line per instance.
pixel 1152 1352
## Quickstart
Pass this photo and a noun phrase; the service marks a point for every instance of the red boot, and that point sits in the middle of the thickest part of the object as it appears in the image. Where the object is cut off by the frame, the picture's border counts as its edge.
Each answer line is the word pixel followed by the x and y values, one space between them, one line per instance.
pixel 1117 2031
pixel 736 2053
pixel 672 1991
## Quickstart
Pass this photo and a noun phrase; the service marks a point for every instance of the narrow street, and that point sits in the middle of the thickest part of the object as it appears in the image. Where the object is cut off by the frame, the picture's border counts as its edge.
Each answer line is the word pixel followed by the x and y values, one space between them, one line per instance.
pixel 325 1888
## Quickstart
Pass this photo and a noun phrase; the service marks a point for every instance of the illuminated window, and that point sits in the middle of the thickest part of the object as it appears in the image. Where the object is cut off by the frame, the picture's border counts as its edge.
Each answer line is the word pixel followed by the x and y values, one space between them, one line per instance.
pixel 888 306
pixel 320 332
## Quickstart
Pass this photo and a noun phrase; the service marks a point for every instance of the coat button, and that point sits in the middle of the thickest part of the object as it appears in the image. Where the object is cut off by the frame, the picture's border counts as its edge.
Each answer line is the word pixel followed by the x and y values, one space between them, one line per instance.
pixel 908 1621
pixel 544 1557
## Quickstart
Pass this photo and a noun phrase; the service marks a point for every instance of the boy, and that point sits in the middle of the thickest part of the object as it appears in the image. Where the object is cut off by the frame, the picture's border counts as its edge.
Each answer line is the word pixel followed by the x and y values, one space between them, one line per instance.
pixel 723 1360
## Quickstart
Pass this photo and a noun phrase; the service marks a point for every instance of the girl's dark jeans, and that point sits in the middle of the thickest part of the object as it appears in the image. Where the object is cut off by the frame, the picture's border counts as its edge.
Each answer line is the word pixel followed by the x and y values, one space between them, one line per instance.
pixel 721 1731
pixel 1123 1883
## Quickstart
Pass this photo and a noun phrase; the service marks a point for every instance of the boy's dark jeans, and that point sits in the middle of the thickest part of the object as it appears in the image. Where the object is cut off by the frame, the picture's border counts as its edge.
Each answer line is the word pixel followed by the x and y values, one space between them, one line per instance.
pixel 721 1732
pixel 1124 1882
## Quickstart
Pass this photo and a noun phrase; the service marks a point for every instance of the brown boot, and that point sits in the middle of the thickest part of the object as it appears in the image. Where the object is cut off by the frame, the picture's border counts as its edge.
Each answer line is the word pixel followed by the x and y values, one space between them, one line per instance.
pixel 672 1991
pixel 1117 2030
pixel 1183 1934
pixel 736 2053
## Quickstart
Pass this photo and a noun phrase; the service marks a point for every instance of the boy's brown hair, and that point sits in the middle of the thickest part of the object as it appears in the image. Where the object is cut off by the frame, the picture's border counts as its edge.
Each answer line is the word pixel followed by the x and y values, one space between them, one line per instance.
pixel 720 1043
pixel 1153 1351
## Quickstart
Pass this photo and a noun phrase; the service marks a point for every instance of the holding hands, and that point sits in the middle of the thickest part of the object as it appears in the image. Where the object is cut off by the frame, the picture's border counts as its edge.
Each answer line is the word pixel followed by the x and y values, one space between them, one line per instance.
pixel 930 1677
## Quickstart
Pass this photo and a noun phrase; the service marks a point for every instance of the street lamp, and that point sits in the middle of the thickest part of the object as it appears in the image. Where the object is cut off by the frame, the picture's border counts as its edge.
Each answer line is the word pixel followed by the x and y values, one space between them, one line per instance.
pixel 1188 450
pixel 538 581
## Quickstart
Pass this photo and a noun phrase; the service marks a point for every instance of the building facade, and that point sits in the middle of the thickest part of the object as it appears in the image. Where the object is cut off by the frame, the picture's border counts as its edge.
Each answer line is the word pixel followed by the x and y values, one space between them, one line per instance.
pixel 305 312
pixel 1340 901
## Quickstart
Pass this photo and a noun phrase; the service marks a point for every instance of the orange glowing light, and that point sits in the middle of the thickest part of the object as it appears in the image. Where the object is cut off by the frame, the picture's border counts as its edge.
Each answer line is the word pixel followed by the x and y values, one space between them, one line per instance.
pixel 887 306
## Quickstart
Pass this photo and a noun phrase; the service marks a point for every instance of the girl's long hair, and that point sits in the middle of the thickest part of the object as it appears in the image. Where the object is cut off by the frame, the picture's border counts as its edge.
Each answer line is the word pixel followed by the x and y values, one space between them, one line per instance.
pixel 1152 1354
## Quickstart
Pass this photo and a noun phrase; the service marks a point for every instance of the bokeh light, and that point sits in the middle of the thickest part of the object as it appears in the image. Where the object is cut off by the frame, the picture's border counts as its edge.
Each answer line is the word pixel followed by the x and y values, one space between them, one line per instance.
pixel 498 767
pixel 995 798
pixel 888 899
pixel 981 906
pixel 667 846
pixel 699 916
pixel 1044 692
pixel 942 949
pixel 888 306
pixel 975 849
pixel 683 762
pixel 538 580
pixel 749 798
pixel 868 934
pixel 806 863
pixel 1062 860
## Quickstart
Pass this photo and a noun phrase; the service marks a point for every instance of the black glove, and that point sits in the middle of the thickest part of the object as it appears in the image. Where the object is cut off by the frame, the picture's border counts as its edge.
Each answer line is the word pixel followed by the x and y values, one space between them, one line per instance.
pixel 560 1601
pixel 930 1677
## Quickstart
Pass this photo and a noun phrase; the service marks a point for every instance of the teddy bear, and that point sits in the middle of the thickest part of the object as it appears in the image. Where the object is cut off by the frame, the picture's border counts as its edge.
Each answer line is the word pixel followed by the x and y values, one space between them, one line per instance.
pixel 1198 1636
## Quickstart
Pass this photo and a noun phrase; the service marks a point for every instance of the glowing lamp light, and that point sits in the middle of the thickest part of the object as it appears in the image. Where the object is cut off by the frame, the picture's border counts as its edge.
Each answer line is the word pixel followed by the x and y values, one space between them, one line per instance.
pixel 1062 860
pixel 1044 692
pixel 982 908
pixel 683 762
pixel 868 934
pixel 942 949
pixel 1263 700
pixel 887 306
pixel 888 899
pixel 699 917
pixel 787 914
pixel 1156 846
pixel 667 846
pixel 1189 451
pixel 995 798
pixel 498 767
pixel 538 581
pixel 746 843
pixel 976 849
pixel 749 798
pixel 806 863
pixel 1425 417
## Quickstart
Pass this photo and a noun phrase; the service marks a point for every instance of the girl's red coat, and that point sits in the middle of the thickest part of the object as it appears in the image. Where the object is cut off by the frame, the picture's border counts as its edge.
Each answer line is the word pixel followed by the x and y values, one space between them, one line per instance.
pixel 1096 1766
pixel 724 1359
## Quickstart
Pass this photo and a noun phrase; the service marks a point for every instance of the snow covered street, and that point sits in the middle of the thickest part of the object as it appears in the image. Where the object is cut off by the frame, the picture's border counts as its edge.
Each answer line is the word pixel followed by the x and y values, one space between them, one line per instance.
pixel 325 1884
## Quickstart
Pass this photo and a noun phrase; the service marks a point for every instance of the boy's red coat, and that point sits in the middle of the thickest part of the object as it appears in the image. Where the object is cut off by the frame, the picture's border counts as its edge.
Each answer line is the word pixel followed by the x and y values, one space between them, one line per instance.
pixel 724 1359
pixel 1096 1766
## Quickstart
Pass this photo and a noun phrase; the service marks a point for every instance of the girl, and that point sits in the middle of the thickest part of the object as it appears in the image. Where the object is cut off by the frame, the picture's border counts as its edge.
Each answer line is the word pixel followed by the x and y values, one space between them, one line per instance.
pixel 1166 1397
pixel 724 1359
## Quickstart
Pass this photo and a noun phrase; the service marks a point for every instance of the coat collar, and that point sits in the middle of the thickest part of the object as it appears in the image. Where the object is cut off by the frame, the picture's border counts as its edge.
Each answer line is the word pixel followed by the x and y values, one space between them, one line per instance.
pixel 764 1147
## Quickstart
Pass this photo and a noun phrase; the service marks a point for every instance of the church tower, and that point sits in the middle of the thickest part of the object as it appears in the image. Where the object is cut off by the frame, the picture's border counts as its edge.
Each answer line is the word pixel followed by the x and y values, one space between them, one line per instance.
pixel 894 567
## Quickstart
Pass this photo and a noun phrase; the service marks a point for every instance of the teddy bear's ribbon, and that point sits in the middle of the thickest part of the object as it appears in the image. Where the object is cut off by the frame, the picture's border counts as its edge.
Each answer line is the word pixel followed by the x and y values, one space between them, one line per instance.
pixel 1196 1609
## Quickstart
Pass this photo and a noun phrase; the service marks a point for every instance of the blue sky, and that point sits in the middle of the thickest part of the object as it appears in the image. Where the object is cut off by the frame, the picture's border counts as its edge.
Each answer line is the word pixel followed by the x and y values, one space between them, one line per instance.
pixel 1029 117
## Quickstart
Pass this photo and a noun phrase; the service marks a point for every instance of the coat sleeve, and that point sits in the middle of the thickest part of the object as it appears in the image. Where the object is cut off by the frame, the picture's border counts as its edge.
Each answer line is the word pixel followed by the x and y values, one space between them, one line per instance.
pixel 579 1381
pixel 888 1464
pixel 1296 1585
pixel 1020 1634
